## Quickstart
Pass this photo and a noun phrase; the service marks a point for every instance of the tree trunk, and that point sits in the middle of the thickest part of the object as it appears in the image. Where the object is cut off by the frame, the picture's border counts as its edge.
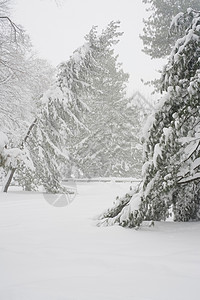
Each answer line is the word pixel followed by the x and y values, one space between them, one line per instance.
pixel 11 171
pixel 8 180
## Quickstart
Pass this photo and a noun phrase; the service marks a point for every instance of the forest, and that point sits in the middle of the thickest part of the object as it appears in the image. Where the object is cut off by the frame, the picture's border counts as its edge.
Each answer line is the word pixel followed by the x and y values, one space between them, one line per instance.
pixel 100 188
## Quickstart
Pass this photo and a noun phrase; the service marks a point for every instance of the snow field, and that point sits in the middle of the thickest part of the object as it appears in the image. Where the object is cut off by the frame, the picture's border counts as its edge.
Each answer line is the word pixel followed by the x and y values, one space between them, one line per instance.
pixel 50 253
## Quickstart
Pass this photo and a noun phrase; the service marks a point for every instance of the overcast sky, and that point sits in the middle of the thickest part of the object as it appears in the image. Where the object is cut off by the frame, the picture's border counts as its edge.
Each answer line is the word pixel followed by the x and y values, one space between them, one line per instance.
pixel 56 30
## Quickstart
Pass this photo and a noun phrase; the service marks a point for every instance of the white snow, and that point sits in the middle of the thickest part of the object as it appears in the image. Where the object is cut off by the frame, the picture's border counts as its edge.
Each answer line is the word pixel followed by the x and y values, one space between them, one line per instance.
pixel 147 126
pixel 192 177
pixel 80 53
pixel 196 163
pixel 176 19
pixel 49 253
pixel 145 167
pixel 167 133
pixel 157 152
pixel 135 202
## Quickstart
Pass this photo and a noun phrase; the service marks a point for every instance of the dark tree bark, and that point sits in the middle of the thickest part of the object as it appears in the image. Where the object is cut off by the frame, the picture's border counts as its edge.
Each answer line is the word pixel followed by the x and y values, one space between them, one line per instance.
pixel 8 179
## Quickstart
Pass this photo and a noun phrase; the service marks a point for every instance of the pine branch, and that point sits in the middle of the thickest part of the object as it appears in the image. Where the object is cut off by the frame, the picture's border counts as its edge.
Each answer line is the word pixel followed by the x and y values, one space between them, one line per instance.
pixel 192 152
pixel 190 179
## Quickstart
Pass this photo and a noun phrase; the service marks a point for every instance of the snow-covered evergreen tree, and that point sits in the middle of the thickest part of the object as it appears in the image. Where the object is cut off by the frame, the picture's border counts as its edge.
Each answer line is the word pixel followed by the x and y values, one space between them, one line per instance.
pixel 156 40
pixel 62 116
pixel 106 149
pixel 59 118
pixel 171 172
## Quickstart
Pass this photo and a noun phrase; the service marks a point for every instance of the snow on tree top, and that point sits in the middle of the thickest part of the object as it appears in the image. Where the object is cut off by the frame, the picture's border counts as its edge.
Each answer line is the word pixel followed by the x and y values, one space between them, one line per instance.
pixel 175 20
pixel 80 53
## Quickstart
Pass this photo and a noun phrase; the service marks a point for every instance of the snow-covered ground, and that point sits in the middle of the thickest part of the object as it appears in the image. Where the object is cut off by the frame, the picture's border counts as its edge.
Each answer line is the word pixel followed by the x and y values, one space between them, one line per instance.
pixel 52 253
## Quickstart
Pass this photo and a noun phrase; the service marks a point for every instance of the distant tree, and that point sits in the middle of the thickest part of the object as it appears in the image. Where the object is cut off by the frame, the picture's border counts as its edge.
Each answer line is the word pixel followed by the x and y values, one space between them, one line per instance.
pixel 137 111
pixel 156 38
pixel 113 146
pixel 171 172
pixel 105 150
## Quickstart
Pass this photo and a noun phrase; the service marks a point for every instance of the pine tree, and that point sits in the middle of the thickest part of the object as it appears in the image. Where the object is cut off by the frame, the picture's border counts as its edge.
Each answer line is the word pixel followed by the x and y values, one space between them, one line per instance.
pixel 59 116
pixel 156 38
pixel 62 119
pixel 137 111
pixel 171 177
pixel 105 149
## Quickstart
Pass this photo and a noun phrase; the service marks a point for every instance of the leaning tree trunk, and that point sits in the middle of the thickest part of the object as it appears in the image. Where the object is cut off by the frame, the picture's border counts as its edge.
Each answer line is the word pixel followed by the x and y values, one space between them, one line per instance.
pixel 11 171
pixel 8 180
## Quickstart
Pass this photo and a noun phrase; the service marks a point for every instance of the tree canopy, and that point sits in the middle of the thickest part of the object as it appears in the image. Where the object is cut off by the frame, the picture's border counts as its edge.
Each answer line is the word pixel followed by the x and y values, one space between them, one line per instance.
pixel 156 38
